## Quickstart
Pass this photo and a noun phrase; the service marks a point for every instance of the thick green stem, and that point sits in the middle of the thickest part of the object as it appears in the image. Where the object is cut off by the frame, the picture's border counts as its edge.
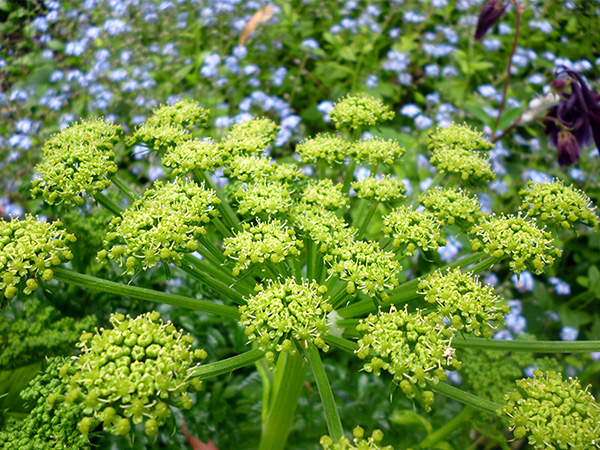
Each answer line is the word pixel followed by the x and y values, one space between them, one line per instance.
pixel 435 182
pixel 527 346
pixel 224 280
pixel 287 385
pixel 341 343
pixel 216 285
pixel 367 218
pixel 334 424
pixel 360 211
pixel 122 185
pixel 227 365
pixel 349 175
pixel 99 284
pixel 467 398
pixel 108 204
pixel 448 428
pixel 229 216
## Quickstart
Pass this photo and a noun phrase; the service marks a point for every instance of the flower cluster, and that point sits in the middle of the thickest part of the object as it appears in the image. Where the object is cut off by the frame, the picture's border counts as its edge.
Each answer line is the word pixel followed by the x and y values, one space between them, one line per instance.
pixel 461 136
pixel 464 301
pixel 166 223
pixel 553 413
pixel 132 373
pixel 376 151
pixel 286 310
pixel 360 111
pixel 412 230
pixel 77 160
pixel 256 168
pixel 559 204
pixel 387 189
pixel 264 199
pixel 452 206
pixel 414 348
pixel 324 194
pixel 324 147
pixel 191 155
pixel 263 243
pixel 323 227
pixel 359 441
pixel 249 138
pixel 29 249
pixel 527 245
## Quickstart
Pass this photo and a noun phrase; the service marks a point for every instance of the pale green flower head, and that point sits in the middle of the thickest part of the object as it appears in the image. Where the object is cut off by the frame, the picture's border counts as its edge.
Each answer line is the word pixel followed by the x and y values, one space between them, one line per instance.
pixel 412 230
pixel 359 441
pixel 249 138
pixel 364 266
pixel 326 147
pixel 323 193
pixel 377 151
pixel 460 136
pixel 387 189
pixel 29 249
pixel 528 246
pixel 130 374
pixel 360 111
pixel 322 226
pixel 265 242
pixel 283 312
pixel 414 348
pixel 263 200
pixel 193 155
pixel 469 306
pixel 452 206
pixel 256 168
pixel 561 205
pixel 464 164
pixel 553 413
pixel 164 225
pixel 79 160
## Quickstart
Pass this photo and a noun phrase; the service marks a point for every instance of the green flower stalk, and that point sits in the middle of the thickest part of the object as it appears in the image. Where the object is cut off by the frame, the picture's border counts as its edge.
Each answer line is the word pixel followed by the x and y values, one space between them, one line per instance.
pixel 377 151
pixel 249 138
pixel 360 111
pixel 165 224
pixel 263 243
pixel 326 147
pixel 77 161
pixel 132 374
pixel 464 301
pixel 553 413
pixel 558 204
pixel 412 230
pixel 452 206
pixel 359 441
pixel 414 348
pixel 460 136
pixel 28 251
pixel 527 245
pixel 283 311
pixel 386 189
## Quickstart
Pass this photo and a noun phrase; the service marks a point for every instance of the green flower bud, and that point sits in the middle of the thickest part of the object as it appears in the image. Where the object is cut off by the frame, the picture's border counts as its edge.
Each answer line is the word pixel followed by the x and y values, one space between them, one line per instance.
pixel 461 136
pixel 359 111
pixel 256 168
pixel 263 200
pixel 324 194
pixel 193 155
pixel 464 164
pixel 387 189
pixel 330 148
pixel 322 226
pixel 377 151
pixel 452 206
pixel 412 230
pixel 359 442
pixel 77 160
pixel 249 138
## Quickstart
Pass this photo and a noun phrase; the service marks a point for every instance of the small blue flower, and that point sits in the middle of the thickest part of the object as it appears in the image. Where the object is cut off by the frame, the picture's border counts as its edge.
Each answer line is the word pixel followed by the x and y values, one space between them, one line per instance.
pixel 278 76
pixel 115 26
pixel 371 81
pixel 310 44
pixel 432 70
pixel 410 110
pixel 515 323
pixel 422 122
pixel 491 279
pixel 155 173
pixel 240 52
pixel 560 287
pixel 569 334
pixel 523 282
pixel 503 335
pixel 405 79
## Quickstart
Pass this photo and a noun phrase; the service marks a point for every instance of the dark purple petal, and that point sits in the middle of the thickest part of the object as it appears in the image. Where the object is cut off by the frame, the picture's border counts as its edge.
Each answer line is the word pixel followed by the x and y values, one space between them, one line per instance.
pixel 568 149
pixel 489 15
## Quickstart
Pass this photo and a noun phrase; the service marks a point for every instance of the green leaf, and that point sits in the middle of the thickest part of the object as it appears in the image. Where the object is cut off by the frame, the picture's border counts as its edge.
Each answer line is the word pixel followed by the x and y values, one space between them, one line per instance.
pixel 12 382
pixel 508 117
pixel 407 417
pixel 348 54
pixel 491 433
pixel 479 113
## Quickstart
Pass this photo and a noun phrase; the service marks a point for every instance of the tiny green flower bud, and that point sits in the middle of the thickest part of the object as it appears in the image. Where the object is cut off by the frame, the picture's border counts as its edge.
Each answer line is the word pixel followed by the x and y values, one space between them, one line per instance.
pixel 359 111
pixel 330 148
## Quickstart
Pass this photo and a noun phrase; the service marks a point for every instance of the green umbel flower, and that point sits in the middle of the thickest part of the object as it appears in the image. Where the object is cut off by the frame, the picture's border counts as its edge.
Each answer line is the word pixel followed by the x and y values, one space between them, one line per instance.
pixel 412 347
pixel 452 206
pixel 263 200
pixel 412 230
pixel 132 374
pixel 324 194
pixel 169 126
pixel 32 331
pixel 28 251
pixel 249 138
pixel 256 168
pixel 364 266
pixel 387 189
pixel 458 136
pixel 464 164
pixel 264 242
pixel 559 204
pixel 360 111
pixel 52 423
pixel 283 312
pixel 163 225
pixel 527 245
pixel 359 441
pixel 322 226
pixel 464 301
pixel 326 147
pixel 193 155
pixel 376 151
pixel 78 160
pixel 553 413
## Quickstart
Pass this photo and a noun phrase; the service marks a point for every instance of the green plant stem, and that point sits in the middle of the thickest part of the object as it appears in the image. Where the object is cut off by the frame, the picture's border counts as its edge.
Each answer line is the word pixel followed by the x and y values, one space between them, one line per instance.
pixel 218 286
pixel 334 424
pixel 108 203
pixel 286 389
pixel 215 369
pixel 360 211
pixel 341 343
pixel 349 175
pixel 218 274
pixel 467 398
pixel 527 346
pixel 99 284
pixel 445 430
pixel 229 216
pixel 122 185
pixel 435 182
pixel 367 218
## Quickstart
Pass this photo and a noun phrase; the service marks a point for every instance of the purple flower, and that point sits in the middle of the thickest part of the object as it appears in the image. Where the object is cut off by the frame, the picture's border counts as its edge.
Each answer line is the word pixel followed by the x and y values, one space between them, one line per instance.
pixel 489 16
pixel 575 121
